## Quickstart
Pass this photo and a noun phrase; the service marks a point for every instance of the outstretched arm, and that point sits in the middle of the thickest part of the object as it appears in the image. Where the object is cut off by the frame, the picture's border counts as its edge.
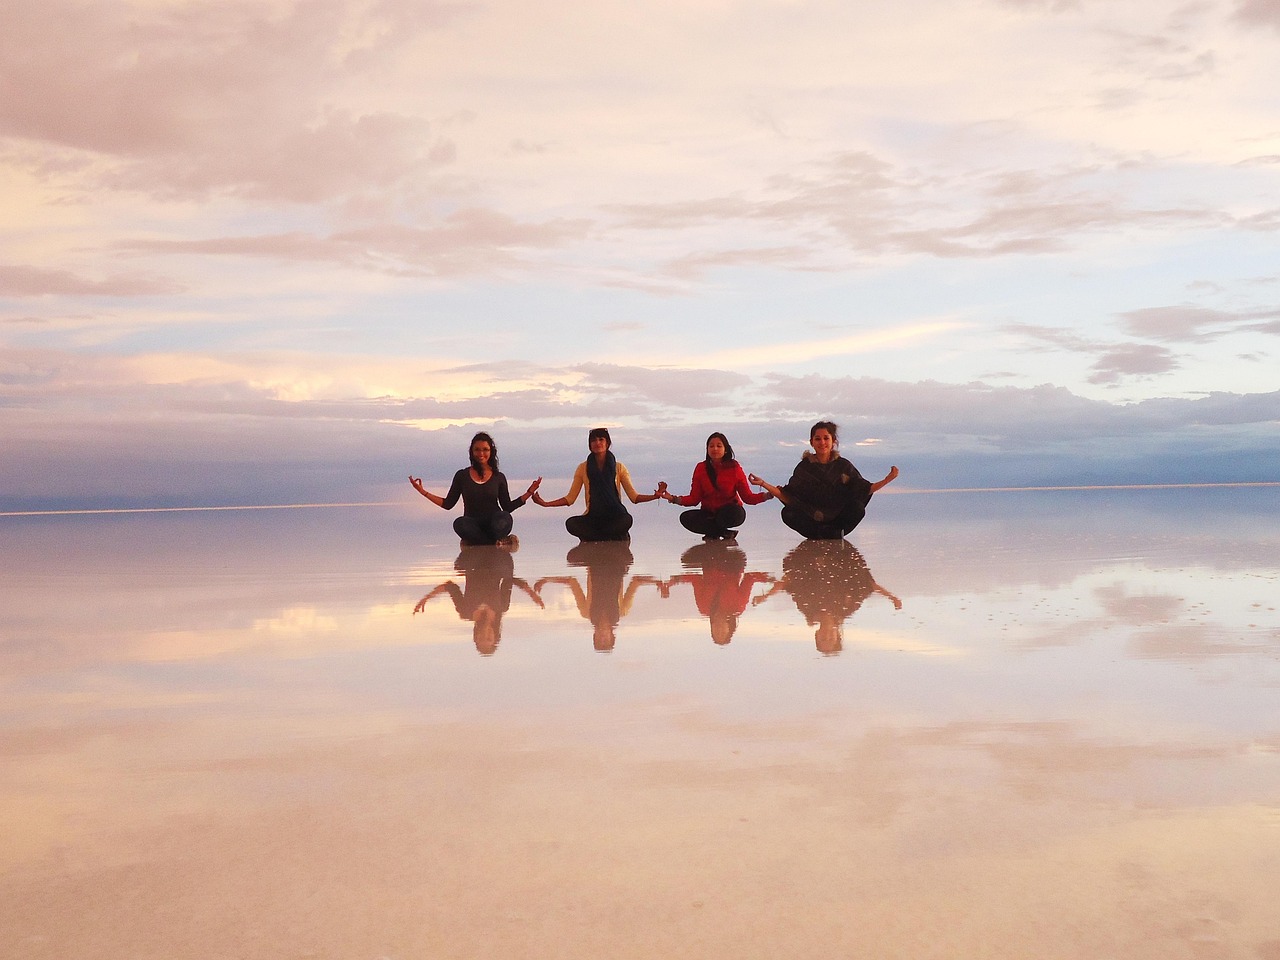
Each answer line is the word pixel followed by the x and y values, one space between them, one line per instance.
pixel 777 492
pixel 659 493
pixel 532 594
pixel 416 482
pixel 888 478
pixel 775 587
pixel 624 481
pixel 448 587
pixel 897 604
pixel 528 495
pixel 579 479
pixel 579 596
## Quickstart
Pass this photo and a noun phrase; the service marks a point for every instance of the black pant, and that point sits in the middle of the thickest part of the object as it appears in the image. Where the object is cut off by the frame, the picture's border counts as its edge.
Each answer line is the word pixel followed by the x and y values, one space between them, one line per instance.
pixel 714 523
pixel 480 531
pixel 594 527
pixel 812 529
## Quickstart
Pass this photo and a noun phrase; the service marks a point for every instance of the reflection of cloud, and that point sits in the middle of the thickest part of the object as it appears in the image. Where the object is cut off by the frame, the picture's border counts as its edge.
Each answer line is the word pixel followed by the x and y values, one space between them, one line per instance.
pixel 1193 642
pixel 1138 609
pixel 297 621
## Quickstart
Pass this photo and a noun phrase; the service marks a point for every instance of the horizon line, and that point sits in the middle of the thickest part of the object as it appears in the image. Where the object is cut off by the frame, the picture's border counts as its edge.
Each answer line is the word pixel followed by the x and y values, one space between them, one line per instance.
pixel 395 503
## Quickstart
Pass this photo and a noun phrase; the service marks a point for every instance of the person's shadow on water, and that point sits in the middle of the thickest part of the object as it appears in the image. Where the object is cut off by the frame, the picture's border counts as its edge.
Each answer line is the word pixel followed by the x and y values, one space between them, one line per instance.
pixel 828 580
pixel 488 575
pixel 608 596
pixel 721 584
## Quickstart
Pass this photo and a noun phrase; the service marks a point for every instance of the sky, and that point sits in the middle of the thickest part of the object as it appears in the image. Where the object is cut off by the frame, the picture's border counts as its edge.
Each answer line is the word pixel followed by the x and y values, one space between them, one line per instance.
pixel 279 252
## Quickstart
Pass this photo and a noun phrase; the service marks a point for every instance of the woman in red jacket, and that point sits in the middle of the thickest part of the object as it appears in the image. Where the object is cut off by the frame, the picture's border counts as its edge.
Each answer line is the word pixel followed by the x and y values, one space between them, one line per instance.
pixel 718 492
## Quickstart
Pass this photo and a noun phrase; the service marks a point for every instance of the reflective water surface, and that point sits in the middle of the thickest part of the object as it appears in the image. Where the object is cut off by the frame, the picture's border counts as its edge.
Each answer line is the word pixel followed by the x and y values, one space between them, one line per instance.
pixel 998 725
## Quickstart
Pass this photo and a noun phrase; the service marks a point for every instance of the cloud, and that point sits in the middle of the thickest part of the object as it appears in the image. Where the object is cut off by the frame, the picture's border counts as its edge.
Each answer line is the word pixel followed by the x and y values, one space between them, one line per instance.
pixel 1189 324
pixel 466 241
pixel 199 97
pixel 1036 418
pixel 166 430
pixel 674 388
pixel 1132 360
pixel 1112 361
pixel 869 206
pixel 25 281
pixel 1259 13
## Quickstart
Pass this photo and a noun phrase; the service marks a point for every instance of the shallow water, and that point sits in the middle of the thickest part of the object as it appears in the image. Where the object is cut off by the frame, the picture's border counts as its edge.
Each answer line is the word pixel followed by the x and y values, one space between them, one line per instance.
pixel 998 725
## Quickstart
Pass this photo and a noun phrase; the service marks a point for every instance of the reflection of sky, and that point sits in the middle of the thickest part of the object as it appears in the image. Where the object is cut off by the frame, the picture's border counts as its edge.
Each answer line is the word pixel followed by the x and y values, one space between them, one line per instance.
pixel 997 601
pixel 1053 657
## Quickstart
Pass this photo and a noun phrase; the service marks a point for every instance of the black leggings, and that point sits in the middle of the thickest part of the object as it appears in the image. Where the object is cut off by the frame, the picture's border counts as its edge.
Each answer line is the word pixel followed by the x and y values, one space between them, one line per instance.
pixel 811 529
pixel 714 523
pixel 591 527
pixel 481 531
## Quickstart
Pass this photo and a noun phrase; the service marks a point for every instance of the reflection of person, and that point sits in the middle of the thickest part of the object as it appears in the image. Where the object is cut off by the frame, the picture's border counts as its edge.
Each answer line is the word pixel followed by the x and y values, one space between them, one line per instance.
pixel 488 576
pixel 606 600
pixel 486 502
pixel 826 496
pixel 721 586
pixel 717 492
pixel 828 580
pixel 604 480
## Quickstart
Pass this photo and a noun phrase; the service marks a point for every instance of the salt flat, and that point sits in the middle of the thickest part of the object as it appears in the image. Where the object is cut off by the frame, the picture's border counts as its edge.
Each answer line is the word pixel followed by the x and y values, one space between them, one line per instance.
pixel 991 724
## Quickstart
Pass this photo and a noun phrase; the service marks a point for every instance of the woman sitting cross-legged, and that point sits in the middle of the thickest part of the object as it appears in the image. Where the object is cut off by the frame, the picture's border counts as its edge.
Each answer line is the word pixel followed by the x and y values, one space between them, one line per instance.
pixel 486 502
pixel 717 493
pixel 604 479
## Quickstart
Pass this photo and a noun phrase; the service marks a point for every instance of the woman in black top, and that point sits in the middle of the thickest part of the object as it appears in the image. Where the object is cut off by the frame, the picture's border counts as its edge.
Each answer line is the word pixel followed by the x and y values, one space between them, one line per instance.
pixel 486 502
pixel 826 496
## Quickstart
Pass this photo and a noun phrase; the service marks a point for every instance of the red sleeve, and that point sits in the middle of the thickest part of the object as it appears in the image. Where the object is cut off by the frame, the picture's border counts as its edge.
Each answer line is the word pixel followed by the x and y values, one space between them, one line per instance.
pixel 698 488
pixel 744 489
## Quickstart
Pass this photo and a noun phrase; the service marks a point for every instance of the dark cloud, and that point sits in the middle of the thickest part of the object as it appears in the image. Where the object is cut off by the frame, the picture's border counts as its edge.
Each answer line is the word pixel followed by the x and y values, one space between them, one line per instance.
pixel 205 442
pixel 1003 417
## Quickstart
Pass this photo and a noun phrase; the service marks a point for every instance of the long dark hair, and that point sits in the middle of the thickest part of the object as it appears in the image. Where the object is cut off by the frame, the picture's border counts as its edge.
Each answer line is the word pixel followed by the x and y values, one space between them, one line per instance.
pixel 728 456
pixel 609 469
pixel 493 452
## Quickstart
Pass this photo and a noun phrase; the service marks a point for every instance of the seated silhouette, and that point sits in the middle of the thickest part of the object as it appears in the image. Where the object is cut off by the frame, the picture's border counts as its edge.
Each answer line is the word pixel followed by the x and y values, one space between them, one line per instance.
pixel 828 580
pixel 488 576
pixel 721 584
pixel 607 597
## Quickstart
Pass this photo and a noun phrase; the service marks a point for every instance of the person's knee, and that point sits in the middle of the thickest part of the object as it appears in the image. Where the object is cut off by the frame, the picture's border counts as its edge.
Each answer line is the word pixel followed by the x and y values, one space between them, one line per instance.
pixel 471 531
pixel 731 515
pixel 501 525
pixel 695 521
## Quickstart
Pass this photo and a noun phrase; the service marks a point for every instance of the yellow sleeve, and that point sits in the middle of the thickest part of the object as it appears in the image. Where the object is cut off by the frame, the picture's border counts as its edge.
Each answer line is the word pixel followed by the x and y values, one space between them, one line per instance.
pixel 579 481
pixel 624 481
